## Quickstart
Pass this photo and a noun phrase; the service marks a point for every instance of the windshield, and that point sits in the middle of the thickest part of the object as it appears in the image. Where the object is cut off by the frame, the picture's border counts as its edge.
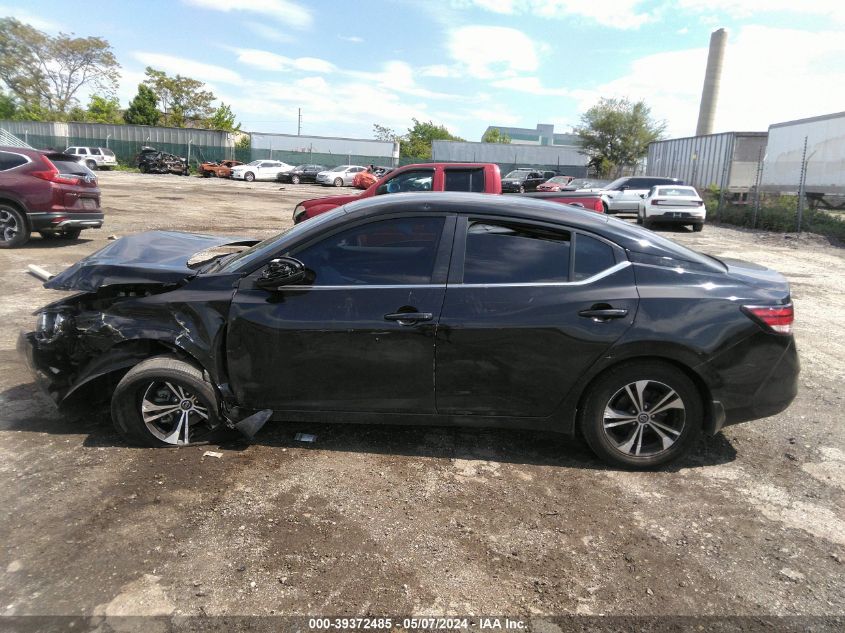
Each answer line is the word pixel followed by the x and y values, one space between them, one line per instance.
pixel 560 180
pixel 254 163
pixel 519 173
pixel 617 183
pixel 339 168
pixel 269 247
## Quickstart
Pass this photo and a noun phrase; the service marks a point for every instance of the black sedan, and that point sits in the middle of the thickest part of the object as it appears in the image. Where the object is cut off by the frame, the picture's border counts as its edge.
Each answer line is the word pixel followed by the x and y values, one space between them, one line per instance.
pixel 444 308
pixel 522 180
pixel 301 173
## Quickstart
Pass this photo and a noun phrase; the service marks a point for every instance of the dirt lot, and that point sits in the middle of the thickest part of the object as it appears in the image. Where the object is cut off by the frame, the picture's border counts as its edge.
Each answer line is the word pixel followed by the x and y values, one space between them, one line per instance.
pixel 389 521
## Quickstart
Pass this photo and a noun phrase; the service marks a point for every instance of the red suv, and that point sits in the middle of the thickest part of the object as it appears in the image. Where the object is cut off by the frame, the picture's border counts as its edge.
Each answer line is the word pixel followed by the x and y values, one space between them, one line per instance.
pixel 48 192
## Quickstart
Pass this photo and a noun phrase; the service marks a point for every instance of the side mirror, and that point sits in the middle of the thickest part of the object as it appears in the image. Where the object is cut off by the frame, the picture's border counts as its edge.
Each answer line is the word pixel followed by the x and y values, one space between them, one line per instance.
pixel 282 271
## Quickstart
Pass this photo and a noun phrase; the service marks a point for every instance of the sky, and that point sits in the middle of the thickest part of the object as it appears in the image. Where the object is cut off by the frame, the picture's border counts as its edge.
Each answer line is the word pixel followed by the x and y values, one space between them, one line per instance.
pixel 468 64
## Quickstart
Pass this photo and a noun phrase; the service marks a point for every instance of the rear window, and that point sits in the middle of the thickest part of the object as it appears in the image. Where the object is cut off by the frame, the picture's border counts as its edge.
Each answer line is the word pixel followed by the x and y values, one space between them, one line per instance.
pixel 464 180
pixel 68 165
pixel 107 152
pixel 676 191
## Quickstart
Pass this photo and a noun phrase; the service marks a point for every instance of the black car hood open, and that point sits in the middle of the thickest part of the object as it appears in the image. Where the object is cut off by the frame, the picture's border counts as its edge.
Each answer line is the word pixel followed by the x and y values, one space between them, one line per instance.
pixel 159 257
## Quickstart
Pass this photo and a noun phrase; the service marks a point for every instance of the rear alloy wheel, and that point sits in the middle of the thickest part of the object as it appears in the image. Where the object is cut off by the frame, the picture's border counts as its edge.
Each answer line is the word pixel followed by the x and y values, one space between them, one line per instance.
pixel 249 176
pixel 164 401
pixel 294 180
pixel 338 182
pixel 14 231
pixel 642 415
pixel 91 164
pixel 639 216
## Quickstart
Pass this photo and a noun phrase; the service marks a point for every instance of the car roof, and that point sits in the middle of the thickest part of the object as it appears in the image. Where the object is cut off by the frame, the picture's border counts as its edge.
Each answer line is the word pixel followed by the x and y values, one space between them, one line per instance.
pixel 627 235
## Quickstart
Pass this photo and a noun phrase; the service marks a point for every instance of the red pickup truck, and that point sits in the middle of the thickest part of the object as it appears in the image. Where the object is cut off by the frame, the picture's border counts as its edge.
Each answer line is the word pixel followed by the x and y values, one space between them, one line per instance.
pixel 472 177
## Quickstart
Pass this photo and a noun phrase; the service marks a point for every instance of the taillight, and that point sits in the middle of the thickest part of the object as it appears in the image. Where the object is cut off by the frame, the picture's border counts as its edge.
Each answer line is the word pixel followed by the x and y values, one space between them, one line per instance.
pixel 52 174
pixel 598 207
pixel 777 318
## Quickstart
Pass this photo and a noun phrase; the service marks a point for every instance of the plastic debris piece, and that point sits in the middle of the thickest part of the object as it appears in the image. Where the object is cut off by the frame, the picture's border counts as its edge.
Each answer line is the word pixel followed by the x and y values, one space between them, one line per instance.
pixel 305 437
pixel 212 454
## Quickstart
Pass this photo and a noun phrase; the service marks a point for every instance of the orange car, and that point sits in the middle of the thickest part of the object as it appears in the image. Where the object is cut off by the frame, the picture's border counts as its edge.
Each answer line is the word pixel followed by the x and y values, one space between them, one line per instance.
pixel 223 169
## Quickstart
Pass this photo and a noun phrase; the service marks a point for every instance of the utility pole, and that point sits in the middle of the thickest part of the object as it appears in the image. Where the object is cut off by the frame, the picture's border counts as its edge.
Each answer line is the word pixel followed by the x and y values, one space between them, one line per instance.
pixel 801 181
pixel 299 122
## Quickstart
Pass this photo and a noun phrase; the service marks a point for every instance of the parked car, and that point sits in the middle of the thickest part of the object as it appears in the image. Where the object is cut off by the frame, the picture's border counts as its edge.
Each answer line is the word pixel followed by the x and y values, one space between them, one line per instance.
pixel 434 308
pixel 94 157
pixel 46 192
pixel 152 161
pixel 477 177
pixel 555 184
pixel 260 170
pixel 340 176
pixel 673 204
pixel 523 179
pixel 625 194
pixel 221 169
pixel 301 173
pixel 586 184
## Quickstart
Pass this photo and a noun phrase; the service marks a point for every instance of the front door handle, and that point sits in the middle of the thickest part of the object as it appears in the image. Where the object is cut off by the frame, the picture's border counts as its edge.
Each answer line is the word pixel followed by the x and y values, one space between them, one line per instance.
pixel 408 318
pixel 603 314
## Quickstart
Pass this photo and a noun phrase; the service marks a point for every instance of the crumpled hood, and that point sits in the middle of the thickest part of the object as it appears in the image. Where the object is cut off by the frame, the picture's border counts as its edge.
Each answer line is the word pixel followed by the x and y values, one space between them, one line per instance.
pixel 151 257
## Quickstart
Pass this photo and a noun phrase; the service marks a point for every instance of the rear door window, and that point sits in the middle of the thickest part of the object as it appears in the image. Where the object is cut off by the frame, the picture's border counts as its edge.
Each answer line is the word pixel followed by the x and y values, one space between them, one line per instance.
pixel 592 256
pixel 95 152
pixel 464 180
pixel 503 253
pixel 8 160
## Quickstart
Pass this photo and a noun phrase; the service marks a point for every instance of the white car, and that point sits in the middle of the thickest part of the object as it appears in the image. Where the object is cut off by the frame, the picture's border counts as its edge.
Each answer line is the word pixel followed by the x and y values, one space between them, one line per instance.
pixel 340 176
pixel 260 170
pixel 672 203
pixel 623 194
pixel 94 157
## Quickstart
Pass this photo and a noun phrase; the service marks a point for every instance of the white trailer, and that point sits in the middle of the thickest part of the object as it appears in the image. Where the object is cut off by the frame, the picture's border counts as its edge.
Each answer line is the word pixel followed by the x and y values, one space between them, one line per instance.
pixel 823 160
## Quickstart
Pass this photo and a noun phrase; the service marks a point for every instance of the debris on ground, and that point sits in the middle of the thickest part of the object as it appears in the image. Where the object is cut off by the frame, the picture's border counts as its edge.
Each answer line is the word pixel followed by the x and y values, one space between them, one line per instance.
pixel 39 272
pixel 305 437
pixel 216 454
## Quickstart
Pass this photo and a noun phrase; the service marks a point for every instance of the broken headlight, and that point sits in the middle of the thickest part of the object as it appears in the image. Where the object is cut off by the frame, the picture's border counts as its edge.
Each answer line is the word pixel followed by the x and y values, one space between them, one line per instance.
pixel 51 325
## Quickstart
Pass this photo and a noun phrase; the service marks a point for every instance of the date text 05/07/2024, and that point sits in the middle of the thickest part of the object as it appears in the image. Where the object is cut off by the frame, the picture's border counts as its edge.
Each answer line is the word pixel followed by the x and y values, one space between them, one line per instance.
pixel 421 623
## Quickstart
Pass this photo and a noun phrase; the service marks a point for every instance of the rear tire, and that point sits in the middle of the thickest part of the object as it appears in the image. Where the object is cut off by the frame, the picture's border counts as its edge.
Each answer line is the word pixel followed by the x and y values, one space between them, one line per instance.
pixel 648 222
pixel 14 230
pixel 639 216
pixel 91 164
pixel 641 415
pixel 164 401
pixel 698 228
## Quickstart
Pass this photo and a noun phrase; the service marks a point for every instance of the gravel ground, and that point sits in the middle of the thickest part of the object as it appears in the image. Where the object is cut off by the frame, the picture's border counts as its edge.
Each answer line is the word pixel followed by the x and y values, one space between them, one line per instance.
pixel 388 521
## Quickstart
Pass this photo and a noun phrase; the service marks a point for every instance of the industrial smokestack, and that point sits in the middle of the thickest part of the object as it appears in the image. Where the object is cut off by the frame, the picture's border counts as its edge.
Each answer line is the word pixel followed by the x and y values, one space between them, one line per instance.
pixel 712 79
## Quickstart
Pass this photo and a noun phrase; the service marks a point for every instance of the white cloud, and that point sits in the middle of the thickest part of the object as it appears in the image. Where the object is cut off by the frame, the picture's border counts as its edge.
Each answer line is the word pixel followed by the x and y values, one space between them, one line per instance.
pixel 399 77
pixel 531 85
pixel 32 19
pixel 268 32
pixel 490 51
pixel 441 71
pixel 351 38
pixel 283 11
pixel 834 9
pixel 266 60
pixel 188 68
pixel 618 14
pixel 769 75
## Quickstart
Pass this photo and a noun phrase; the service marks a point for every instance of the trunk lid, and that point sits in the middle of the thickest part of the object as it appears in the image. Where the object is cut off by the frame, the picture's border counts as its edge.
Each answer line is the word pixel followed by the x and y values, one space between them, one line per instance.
pixel 759 277
pixel 154 257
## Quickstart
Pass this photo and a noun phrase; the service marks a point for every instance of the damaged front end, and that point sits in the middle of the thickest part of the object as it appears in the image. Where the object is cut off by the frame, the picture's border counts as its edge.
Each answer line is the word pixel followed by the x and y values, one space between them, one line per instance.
pixel 139 298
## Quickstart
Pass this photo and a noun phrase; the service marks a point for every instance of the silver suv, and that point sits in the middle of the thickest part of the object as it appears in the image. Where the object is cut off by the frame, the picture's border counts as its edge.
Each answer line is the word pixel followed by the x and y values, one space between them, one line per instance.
pixel 625 194
pixel 94 157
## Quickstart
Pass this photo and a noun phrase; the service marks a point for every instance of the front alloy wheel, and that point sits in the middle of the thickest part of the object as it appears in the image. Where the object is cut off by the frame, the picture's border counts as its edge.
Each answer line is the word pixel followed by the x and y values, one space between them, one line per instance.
pixel 641 414
pixel 173 414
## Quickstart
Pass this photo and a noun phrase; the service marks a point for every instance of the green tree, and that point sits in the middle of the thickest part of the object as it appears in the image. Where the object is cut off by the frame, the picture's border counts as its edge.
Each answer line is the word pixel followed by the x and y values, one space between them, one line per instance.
pixel 417 142
pixel 182 99
pixel 495 135
pixel 223 119
pixel 47 72
pixel 103 110
pixel 384 133
pixel 615 133
pixel 8 106
pixel 142 109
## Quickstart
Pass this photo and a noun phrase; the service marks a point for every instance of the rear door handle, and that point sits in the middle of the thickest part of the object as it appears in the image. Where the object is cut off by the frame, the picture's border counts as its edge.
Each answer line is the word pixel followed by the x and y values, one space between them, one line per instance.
pixel 602 314
pixel 408 318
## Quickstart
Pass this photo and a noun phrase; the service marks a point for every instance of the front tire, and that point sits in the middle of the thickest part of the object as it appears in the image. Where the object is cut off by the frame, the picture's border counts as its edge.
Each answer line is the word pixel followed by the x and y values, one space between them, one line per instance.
pixel 294 180
pixel 14 231
pixel 164 401
pixel 642 415
pixel 249 176
pixel 338 182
